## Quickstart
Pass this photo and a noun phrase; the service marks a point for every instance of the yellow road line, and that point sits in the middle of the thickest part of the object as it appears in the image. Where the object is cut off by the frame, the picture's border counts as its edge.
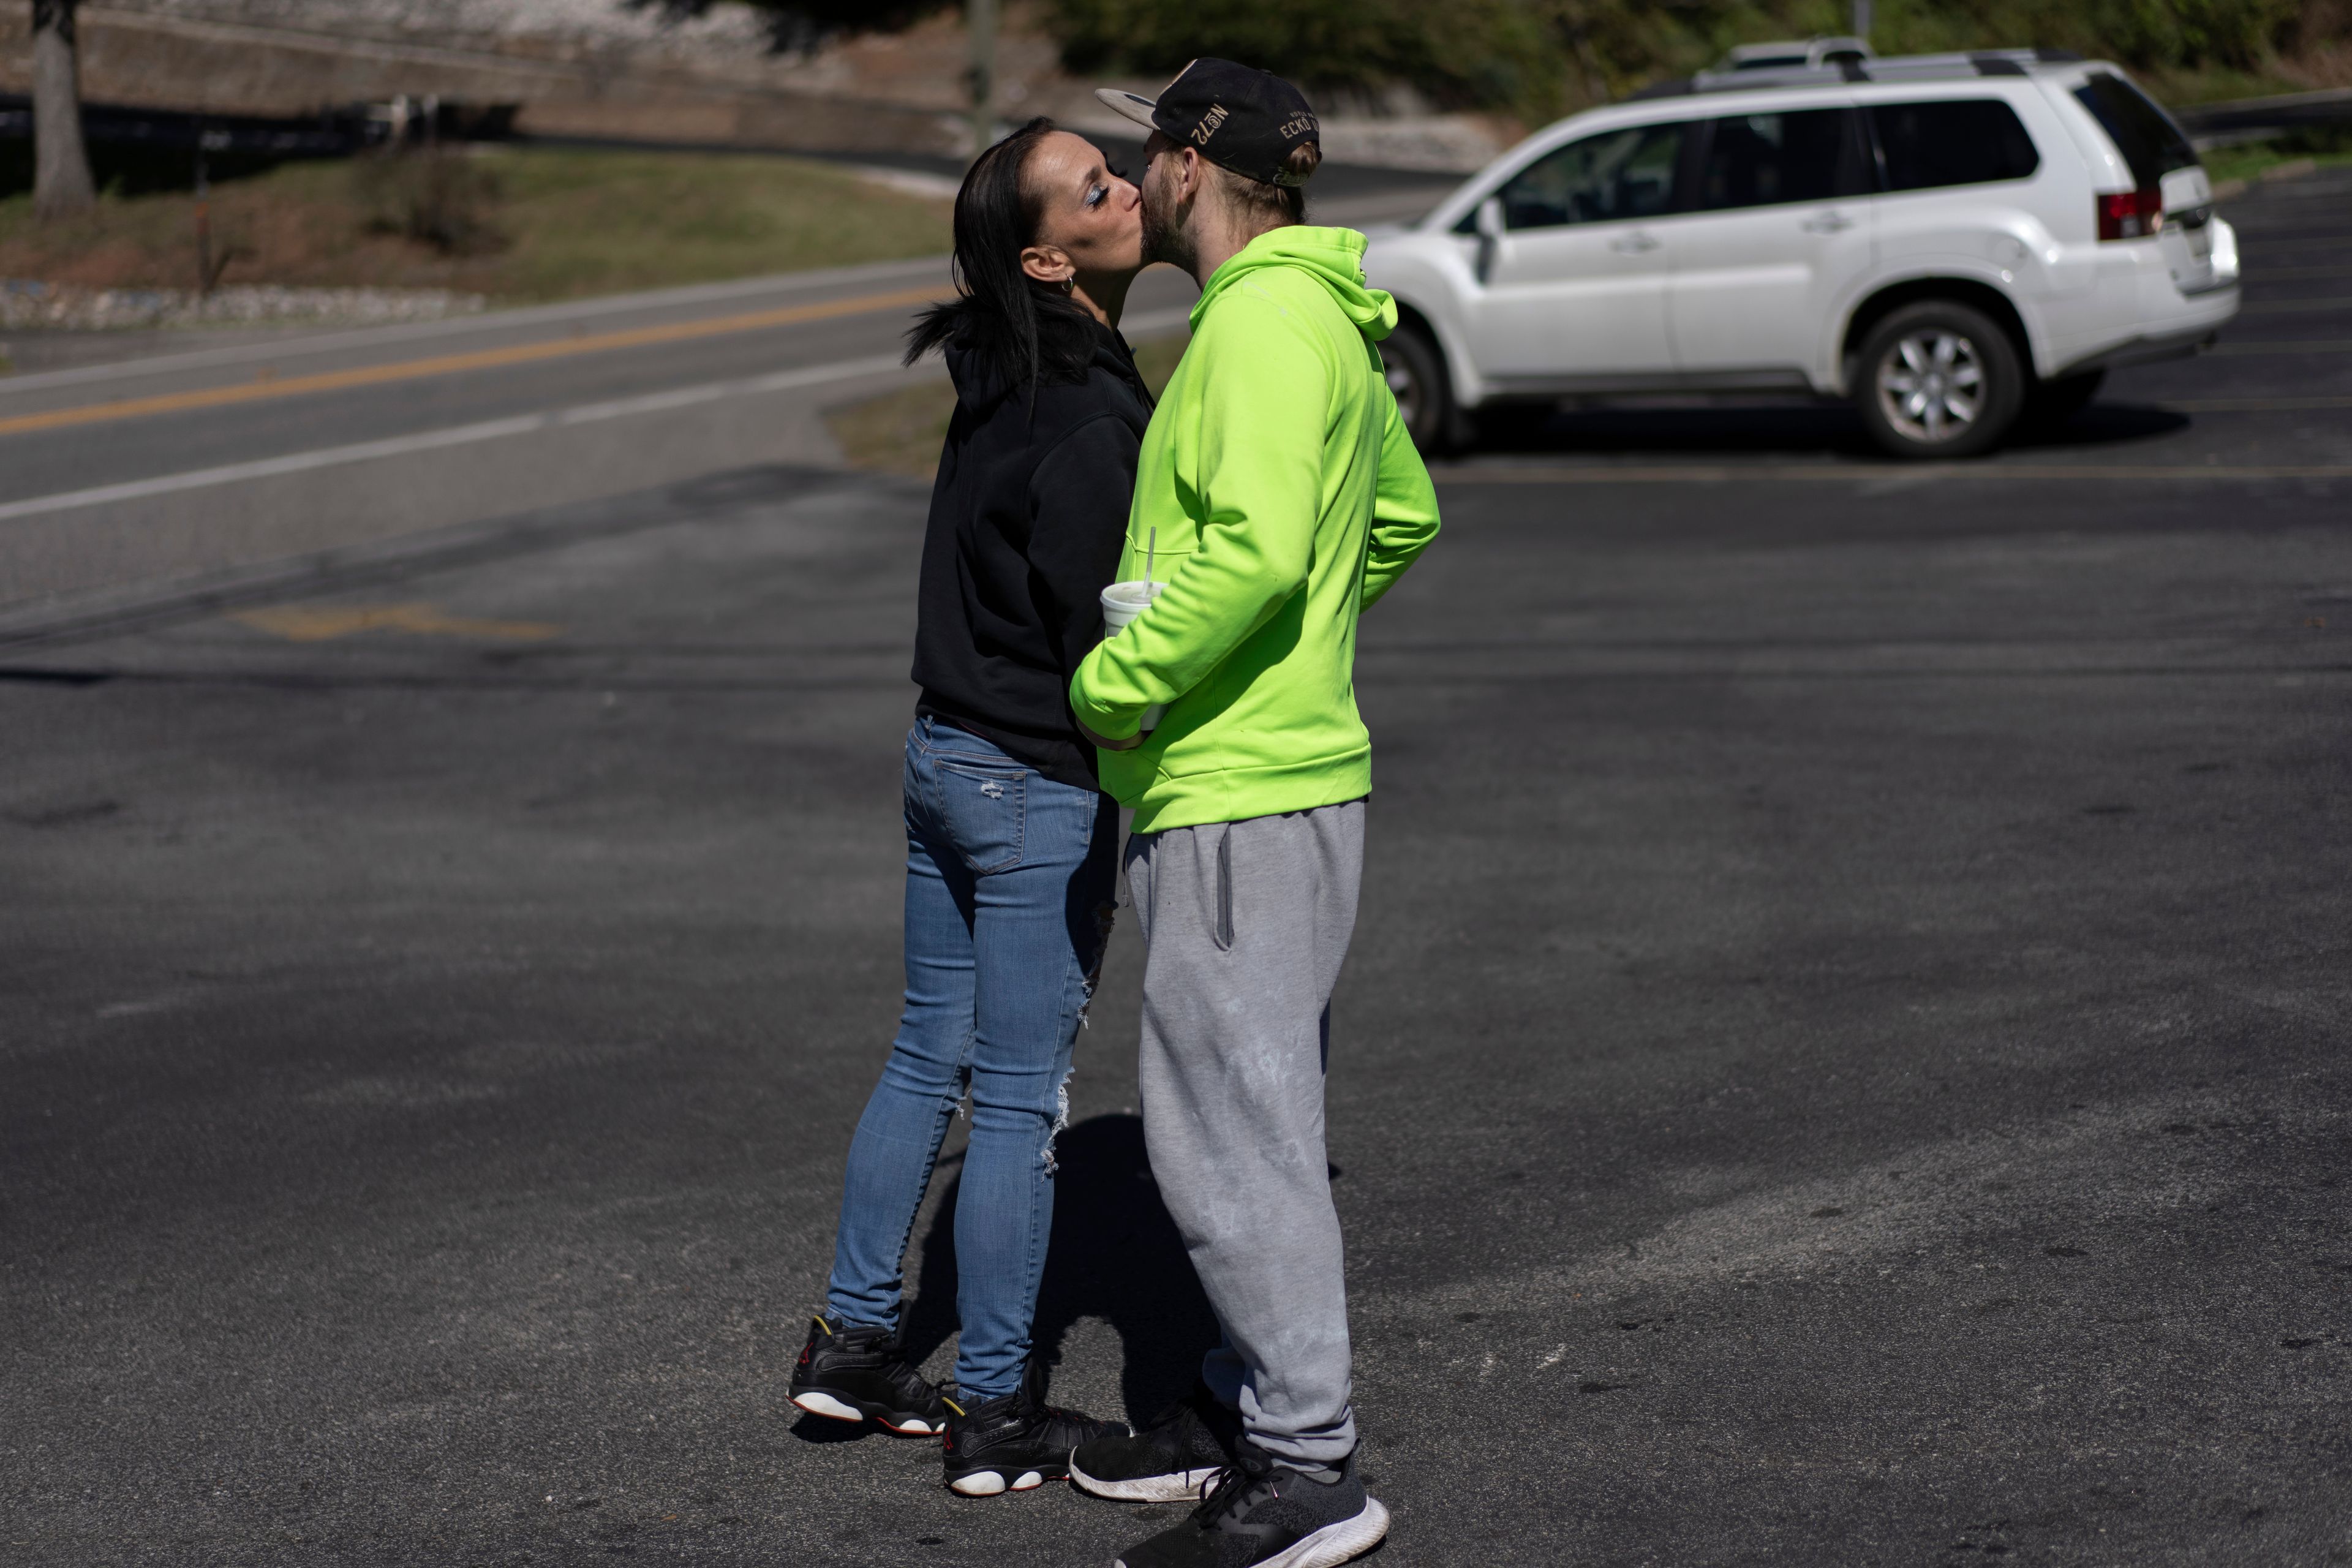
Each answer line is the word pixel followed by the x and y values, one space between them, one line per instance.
pixel 310 623
pixel 263 387
pixel 1596 474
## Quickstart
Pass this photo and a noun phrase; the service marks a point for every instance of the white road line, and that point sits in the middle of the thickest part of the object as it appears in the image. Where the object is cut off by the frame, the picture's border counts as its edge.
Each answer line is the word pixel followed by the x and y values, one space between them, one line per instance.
pixel 456 435
pixel 1146 324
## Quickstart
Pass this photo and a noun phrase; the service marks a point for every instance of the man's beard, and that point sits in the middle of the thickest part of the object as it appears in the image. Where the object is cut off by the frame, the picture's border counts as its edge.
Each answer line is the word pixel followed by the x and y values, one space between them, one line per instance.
pixel 1164 236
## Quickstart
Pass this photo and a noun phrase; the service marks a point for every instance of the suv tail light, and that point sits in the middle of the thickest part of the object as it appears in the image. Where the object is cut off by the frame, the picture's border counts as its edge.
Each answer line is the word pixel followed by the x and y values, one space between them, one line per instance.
pixel 2131 214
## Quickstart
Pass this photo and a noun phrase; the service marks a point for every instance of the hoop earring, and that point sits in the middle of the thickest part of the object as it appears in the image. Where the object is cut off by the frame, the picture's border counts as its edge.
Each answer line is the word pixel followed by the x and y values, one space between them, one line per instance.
pixel 1070 284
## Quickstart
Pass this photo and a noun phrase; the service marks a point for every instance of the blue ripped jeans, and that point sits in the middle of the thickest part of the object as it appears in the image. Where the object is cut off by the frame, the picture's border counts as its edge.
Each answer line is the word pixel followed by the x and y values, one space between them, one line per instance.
pixel 1010 886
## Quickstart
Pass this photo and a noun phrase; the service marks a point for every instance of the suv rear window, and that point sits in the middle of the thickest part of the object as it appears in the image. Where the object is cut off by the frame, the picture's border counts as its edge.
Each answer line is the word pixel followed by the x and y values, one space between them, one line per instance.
pixel 1960 142
pixel 2147 137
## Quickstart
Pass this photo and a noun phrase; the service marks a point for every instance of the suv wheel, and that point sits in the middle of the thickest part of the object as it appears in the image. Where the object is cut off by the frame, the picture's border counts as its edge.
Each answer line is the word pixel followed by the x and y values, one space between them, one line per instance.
pixel 1424 394
pixel 1939 380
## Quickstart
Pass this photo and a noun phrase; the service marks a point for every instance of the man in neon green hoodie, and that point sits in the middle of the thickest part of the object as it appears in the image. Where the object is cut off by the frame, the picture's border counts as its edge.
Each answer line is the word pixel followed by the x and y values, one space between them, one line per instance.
pixel 1277 496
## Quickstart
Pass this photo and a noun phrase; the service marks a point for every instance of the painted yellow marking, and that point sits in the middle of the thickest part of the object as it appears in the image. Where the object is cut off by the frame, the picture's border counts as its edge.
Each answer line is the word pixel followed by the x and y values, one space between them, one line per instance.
pixel 322 622
pixel 1856 474
pixel 451 364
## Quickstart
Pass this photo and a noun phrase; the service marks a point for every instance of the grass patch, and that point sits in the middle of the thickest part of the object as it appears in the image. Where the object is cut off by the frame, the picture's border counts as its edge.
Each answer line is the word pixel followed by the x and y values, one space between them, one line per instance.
pixel 2253 160
pixel 898 432
pixel 547 224
pixel 901 432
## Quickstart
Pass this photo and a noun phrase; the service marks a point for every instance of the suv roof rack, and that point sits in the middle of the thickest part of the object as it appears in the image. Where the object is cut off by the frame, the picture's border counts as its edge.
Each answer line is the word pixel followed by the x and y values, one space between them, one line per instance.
pixel 1827 62
pixel 1806 52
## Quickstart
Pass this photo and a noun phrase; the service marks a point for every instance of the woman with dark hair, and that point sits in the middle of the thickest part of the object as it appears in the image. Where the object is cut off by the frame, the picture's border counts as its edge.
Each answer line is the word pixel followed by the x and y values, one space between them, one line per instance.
pixel 1011 862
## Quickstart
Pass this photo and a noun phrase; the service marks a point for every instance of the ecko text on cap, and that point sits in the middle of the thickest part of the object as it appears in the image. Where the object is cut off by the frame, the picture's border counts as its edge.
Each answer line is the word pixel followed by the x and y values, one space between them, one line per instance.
pixel 1241 118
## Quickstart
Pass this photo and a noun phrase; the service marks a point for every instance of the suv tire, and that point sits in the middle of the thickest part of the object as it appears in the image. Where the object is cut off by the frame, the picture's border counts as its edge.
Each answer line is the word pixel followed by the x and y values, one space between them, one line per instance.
pixel 1425 393
pixel 1938 379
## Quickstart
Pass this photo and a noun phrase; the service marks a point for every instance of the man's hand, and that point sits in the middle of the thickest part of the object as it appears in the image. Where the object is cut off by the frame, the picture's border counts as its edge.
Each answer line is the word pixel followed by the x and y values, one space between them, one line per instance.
pixel 1126 746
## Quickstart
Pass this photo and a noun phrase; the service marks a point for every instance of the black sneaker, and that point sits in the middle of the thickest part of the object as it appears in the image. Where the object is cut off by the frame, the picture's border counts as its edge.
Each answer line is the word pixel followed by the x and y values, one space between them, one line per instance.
pixel 850 1372
pixel 1171 1460
pixel 1015 1441
pixel 1263 1514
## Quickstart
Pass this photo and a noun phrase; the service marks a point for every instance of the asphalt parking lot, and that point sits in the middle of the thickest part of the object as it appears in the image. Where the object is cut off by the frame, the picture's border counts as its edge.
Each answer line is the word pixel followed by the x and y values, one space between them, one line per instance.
pixel 1843 1060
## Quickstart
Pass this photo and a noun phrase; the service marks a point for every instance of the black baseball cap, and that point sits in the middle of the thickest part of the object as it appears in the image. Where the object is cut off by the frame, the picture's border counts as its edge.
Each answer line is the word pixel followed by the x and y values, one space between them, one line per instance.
pixel 1240 118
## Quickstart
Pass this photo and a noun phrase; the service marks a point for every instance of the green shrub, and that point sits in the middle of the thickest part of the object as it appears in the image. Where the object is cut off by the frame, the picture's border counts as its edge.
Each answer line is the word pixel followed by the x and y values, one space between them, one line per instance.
pixel 439 195
pixel 1541 58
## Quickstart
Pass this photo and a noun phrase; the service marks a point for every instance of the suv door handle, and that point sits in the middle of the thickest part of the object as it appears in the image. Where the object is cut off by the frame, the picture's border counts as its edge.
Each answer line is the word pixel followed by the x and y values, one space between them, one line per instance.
pixel 1827 223
pixel 1633 243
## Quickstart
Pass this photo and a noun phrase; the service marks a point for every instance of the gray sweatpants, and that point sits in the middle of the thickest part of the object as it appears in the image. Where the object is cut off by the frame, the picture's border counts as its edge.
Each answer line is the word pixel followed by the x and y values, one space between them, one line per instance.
pixel 1244 926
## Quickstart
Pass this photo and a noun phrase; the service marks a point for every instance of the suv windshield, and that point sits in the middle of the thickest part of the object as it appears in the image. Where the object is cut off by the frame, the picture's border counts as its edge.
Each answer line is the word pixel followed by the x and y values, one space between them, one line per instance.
pixel 2147 137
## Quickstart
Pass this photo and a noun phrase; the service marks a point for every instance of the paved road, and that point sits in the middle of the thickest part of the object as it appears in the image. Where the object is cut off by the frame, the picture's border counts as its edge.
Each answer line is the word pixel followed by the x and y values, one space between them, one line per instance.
pixel 1843 1060
pixel 219 457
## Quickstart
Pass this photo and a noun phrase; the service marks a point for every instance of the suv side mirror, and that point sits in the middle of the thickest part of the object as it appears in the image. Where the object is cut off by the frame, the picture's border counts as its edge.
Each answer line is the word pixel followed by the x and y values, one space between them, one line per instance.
pixel 1491 229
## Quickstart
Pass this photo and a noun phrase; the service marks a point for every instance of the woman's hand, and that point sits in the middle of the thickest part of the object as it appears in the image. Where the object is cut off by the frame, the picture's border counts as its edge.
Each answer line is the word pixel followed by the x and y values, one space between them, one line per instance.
pixel 1126 746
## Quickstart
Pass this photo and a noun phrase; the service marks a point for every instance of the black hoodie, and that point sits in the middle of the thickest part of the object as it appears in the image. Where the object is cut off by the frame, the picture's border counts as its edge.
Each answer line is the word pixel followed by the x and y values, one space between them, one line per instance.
pixel 1028 517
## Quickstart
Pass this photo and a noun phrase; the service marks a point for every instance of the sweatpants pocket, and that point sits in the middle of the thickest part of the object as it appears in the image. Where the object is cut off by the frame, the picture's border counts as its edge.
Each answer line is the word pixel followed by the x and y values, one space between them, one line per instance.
pixel 1224 932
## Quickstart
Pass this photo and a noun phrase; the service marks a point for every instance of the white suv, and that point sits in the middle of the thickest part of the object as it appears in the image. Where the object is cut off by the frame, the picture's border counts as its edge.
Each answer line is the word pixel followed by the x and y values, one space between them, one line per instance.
pixel 1952 241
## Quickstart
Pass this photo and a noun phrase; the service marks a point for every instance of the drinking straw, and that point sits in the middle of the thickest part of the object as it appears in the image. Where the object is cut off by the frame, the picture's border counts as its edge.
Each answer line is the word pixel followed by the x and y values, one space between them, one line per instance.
pixel 1150 548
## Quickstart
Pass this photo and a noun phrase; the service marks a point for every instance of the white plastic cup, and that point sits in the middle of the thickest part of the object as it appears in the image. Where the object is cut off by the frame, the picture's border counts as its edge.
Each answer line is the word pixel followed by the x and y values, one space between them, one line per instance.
pixel 1121 602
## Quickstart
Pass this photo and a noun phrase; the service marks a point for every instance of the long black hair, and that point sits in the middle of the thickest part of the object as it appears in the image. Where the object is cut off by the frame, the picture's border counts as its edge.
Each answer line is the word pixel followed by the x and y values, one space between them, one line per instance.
pixel 1029 332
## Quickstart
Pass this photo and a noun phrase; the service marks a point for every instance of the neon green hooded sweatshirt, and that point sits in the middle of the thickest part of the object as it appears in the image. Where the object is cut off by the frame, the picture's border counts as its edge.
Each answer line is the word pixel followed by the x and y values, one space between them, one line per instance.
pixel 1288 497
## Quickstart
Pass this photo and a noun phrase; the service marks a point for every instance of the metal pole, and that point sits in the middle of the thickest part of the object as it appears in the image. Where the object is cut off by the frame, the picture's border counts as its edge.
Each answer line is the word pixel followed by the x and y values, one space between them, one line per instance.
pixel 203 218
pixel 1862 20
pixel 981 17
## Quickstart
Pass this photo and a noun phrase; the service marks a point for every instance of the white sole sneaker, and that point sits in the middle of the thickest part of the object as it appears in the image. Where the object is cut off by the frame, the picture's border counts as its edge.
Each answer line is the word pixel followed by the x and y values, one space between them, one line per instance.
pixel 832 1409
pixel 826 1405
pixel 1337 1544
pixel 1176 1486
pixel 990 1483
pixel 1333 1544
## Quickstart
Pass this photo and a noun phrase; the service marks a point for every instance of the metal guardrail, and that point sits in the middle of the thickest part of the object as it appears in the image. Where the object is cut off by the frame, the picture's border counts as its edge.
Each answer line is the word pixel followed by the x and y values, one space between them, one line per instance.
pixel 2249 118
pixel 339 132
pixel 330 134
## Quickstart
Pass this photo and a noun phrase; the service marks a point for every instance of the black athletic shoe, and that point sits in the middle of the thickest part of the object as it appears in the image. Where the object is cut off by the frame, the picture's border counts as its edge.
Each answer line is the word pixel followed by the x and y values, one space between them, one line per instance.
pixel 849 1372
pixel 1015 1441
pixel 1266 1515
pixel 1171 1460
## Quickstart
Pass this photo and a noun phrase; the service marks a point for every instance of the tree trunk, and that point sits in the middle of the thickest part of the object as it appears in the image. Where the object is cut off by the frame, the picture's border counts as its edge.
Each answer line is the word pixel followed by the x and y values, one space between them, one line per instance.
pixel 61 182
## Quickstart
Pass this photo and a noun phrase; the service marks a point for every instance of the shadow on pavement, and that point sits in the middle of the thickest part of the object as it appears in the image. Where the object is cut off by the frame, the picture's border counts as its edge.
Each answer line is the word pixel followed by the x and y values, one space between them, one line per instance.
pixel 1114 1256
pixel 1826 430
pixel 825 1429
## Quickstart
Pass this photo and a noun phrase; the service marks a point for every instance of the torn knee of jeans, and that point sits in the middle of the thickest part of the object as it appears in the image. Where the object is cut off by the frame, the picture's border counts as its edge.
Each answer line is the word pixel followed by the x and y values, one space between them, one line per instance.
pixel 1061 1121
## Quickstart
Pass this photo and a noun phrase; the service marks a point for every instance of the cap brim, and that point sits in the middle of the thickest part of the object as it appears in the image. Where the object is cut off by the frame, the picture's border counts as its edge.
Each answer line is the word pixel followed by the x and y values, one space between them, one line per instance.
pixel 1132 105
